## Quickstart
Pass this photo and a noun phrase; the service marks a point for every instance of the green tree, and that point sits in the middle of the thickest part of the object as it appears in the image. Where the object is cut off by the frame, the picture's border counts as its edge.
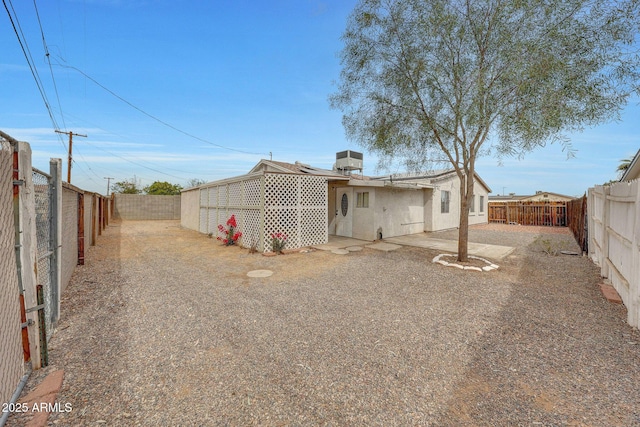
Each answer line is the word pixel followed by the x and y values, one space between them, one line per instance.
pixel 427 80
pixel 163 188
pixel 128 186
pixel 623 166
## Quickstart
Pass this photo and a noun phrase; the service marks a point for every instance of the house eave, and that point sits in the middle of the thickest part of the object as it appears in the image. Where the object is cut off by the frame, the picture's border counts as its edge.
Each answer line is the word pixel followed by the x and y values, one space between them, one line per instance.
pixel 633 170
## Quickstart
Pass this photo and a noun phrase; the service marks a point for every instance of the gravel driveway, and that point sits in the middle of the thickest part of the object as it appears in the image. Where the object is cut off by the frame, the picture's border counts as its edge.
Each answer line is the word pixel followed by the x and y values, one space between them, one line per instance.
pixel 162 327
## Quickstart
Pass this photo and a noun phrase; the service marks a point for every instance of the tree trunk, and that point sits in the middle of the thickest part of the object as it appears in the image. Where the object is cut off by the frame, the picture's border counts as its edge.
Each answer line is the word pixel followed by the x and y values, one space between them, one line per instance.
pixel 463 231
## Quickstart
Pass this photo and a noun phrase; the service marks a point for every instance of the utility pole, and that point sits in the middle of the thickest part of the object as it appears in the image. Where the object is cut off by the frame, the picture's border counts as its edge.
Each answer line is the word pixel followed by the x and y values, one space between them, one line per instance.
pixel 108 178
pixel 71 134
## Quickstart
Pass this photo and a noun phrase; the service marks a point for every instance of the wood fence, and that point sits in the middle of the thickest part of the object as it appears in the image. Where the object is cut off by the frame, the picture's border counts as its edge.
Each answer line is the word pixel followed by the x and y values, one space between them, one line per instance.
pixel 577 221
pixel 553 214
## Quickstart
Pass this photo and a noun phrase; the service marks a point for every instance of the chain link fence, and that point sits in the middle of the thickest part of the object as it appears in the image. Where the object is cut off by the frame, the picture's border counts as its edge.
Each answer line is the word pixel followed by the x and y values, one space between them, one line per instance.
pixel 44 233
pixel 11 366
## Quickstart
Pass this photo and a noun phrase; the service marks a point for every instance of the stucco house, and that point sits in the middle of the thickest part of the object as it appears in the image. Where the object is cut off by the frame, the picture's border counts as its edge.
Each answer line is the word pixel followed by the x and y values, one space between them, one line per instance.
pixel 309 204
pixel 633 171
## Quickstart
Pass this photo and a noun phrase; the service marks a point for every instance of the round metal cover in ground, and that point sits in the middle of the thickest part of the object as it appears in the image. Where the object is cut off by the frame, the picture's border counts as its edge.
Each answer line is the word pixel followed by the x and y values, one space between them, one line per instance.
pixel 354 248
pixel 340 251
pixel 260 273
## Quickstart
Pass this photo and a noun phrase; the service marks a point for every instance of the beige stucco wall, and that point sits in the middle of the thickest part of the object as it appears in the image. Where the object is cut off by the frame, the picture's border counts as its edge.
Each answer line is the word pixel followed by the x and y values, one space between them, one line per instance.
pixel 190 209
pixel 147 207
pixel 69 234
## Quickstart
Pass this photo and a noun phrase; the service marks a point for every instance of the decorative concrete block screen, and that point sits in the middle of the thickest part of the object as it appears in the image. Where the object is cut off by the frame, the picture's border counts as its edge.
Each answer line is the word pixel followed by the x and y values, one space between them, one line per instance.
pixel 297 206
pixel 292 204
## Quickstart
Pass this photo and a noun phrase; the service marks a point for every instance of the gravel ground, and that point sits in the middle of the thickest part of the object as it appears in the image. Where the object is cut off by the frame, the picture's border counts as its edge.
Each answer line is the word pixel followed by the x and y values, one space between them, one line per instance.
pixel 163 327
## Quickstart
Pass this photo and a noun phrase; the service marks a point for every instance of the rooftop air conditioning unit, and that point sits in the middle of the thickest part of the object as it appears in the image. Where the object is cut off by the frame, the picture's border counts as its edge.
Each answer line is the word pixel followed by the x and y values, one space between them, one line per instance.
pixel 348 160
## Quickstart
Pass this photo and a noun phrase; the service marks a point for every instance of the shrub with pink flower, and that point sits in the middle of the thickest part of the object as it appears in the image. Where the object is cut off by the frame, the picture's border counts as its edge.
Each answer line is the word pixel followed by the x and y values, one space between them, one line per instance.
pixel 231 236
pixel 278 242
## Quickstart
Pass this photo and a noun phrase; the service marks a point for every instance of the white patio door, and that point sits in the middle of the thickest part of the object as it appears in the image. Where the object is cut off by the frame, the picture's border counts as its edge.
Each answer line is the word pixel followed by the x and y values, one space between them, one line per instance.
pixel 344 211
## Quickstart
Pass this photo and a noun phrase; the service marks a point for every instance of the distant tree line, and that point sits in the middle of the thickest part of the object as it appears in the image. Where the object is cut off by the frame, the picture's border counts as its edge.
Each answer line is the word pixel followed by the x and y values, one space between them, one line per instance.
pixel 158 188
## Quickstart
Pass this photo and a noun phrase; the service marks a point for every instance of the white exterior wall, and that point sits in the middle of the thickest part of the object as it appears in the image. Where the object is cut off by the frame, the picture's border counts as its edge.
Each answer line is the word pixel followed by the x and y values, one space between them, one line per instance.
pixel 614 240
pixel 190 209
pixel 398 212
pixel 444 221
pixel 478 217
pixel 365 222
pixel 392 212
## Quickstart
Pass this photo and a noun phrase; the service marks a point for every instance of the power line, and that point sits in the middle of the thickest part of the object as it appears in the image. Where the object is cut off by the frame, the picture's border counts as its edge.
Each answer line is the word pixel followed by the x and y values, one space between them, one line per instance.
pixel 125 138
pixel 135 163
pixel 46 52
pixel 151 115
pixel 24 46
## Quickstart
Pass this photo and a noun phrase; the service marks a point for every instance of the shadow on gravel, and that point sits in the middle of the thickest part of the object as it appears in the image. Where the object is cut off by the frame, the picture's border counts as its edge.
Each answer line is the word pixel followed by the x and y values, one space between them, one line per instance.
pixel 559 353
pixel 92 333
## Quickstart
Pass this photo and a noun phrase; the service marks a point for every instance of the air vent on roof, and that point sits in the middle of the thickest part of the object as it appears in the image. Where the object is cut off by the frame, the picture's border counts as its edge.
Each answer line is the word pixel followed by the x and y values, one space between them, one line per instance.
pixel 348 161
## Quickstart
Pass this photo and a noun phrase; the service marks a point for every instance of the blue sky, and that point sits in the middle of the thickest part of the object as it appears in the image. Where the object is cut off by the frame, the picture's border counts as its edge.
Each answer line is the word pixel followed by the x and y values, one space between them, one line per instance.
pixel 246 78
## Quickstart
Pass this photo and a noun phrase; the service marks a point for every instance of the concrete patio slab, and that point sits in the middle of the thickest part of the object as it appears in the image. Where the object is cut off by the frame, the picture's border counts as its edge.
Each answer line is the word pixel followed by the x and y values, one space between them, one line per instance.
pixel 339 242
pixel 478 249
pixel 384 246
pixel 340 251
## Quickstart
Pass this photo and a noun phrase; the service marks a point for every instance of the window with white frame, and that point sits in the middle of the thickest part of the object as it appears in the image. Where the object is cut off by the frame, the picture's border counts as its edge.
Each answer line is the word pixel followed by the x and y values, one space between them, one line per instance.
pixel 481 207
pixel 472 206
pixel 445 196
pixel 362 200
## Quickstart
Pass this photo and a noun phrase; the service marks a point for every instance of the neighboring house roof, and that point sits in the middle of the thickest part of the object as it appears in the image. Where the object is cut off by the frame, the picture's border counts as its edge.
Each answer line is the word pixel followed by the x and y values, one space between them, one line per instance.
pixel 508 198
pixel 633 171
pixel 522 198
